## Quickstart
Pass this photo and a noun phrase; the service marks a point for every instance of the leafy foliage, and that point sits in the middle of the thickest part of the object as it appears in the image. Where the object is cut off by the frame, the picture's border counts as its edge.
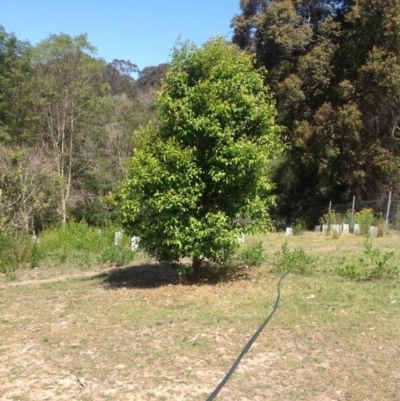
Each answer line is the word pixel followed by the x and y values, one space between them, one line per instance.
pixel 64 133
pixel 74 242
pixel 17 96
pixel 365 218
pixel 205 164
pixel 334 69
pixel 374 266
pixel 297 260
pixel 299 227
pixel 253 254
pixel 118 75
pixel 71 90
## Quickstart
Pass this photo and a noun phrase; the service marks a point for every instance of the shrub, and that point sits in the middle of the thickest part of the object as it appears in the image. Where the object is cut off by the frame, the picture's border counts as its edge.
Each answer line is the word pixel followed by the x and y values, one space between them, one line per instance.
pixel 375 266
pixel 4 256
pixel 349 271
pixel 378 265
pixel 297 261
pixel 15 250
pixel 365 218
pixel 335 234
pixel 253 254
pixel 332 218
pixel 299 227
pixel 20 249
pixel 74 242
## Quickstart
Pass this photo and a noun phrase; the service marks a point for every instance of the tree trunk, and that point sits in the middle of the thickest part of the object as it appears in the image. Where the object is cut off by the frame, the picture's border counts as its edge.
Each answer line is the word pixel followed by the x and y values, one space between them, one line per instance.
pixel 63 208
pixel 196 265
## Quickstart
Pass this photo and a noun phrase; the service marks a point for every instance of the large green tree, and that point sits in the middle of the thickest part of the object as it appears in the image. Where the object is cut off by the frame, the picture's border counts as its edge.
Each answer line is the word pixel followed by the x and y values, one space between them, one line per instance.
pixel 334 69
pixel 199 173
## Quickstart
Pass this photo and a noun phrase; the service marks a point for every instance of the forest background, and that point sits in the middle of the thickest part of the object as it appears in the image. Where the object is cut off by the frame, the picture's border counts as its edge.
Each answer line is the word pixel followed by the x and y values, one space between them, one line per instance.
pixel 67 117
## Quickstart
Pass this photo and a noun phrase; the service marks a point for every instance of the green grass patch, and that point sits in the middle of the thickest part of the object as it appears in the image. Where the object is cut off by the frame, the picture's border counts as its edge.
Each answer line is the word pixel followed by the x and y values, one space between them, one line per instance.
pixel 76 244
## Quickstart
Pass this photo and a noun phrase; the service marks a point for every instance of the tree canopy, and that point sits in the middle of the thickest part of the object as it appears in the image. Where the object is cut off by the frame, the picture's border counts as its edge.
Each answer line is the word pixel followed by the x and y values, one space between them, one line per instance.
pixel 16 94
pixel 205 164
pixel 62 123
pixel 333 67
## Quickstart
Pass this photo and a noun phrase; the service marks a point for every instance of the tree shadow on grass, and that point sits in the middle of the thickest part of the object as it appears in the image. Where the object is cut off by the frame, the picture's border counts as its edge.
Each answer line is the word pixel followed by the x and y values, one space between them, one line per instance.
pixel 144 275
pixel 155 275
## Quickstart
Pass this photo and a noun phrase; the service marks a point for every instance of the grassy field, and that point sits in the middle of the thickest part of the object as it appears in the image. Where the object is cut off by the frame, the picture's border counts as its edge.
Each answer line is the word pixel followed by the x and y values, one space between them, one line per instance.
pixel 139 333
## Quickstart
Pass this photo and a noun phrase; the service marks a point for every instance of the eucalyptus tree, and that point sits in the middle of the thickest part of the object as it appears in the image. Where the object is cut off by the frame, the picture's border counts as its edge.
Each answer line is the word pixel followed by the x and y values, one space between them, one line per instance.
pixel 69 80
pixel 334 69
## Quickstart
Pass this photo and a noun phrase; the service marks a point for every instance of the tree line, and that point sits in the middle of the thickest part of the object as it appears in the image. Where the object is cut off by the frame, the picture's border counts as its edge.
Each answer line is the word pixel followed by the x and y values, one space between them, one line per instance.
pixel 66 123
pixel 334 68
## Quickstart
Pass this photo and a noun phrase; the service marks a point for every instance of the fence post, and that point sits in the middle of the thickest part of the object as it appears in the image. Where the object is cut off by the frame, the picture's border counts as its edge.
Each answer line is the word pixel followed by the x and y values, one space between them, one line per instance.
pixel 330 206
pixel 352 213
pixel 388 209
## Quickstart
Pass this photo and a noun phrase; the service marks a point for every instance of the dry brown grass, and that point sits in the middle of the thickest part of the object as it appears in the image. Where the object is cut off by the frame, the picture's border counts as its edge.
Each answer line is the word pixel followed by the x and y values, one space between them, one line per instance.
pixel 125 334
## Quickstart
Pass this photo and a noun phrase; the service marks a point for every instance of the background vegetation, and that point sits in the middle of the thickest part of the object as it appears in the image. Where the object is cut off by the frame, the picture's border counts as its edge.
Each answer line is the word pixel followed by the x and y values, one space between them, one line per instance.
pixel 334 69
pixel 67 117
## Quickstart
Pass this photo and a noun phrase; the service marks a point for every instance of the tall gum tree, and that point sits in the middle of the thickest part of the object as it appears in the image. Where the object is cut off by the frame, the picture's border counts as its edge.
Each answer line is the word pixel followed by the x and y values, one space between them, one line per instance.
pixel 202 170
pixel 70 84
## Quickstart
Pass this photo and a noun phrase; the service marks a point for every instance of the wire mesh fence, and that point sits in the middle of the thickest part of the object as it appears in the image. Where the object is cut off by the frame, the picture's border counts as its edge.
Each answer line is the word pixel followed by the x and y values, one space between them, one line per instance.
pixel 386 207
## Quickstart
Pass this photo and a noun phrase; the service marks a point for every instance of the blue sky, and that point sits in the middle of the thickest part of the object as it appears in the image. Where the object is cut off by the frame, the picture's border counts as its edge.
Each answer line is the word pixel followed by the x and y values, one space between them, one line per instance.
pixel 140 31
